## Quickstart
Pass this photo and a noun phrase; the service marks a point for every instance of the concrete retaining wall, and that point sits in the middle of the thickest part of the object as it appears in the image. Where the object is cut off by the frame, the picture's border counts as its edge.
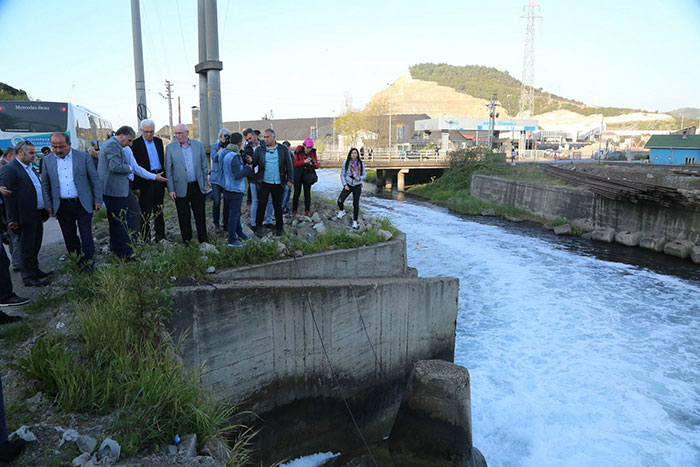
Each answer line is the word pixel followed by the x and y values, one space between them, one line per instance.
pixel 382 260
pixel 260 348
pixel 588 210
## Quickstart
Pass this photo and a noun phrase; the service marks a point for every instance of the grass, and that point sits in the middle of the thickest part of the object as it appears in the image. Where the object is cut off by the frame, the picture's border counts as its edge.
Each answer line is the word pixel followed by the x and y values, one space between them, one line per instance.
pixel 371 176
pixel 119 361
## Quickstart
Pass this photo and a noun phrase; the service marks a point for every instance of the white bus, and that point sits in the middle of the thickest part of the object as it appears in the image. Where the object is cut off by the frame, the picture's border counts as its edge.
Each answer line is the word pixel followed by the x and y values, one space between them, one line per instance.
pixel 35 121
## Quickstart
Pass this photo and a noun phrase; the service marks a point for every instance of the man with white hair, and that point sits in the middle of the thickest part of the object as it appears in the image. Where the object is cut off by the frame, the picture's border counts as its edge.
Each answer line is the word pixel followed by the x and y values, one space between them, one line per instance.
pixel 186 169
pixel 149 153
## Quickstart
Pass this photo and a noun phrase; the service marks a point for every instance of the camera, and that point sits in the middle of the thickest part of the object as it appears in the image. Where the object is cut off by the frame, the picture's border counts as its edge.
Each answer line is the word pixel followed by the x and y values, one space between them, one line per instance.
pixel 226 142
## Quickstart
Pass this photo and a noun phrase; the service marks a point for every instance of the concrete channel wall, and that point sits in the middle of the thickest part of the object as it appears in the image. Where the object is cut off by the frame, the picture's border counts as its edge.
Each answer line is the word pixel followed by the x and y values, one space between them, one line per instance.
pixel 268 345
pixel 588 210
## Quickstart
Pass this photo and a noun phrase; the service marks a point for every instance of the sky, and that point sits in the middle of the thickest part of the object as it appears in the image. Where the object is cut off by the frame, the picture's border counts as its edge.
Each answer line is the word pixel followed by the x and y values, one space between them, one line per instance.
pixel 305 58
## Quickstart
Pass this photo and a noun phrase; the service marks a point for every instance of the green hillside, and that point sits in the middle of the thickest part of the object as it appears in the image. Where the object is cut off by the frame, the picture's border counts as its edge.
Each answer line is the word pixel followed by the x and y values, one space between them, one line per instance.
pixel 8 93
pixel 482 82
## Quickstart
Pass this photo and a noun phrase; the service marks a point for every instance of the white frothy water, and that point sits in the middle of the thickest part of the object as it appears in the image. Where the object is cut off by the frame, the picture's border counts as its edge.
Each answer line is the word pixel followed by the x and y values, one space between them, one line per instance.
pixel 574 361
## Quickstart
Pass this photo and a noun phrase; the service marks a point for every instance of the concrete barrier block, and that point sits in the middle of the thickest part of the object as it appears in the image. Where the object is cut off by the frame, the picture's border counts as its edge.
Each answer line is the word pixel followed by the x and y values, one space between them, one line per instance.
pixel 564 229
pixel 653 242
pixel 603 235
pixel 695 254
pixel 680 248
pixel 628 238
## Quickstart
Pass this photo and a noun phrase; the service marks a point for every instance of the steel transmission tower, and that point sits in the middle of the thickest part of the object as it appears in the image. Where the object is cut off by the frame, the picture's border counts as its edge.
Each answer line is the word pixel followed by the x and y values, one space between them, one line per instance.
pixel 527 90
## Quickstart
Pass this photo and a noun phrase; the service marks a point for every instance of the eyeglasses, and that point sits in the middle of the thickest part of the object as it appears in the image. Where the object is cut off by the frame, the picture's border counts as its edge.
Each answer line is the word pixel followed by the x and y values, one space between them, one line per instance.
pixel 179 132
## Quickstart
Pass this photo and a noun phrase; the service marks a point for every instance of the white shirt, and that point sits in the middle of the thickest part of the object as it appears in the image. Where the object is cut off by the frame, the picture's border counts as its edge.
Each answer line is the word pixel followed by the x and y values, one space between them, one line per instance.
pixel 36 182
pixel 66 184
pixel 135 168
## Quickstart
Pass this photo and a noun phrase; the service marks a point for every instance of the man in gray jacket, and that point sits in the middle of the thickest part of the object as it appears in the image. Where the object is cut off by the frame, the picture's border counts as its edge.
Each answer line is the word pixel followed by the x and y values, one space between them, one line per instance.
pixel 114 171
pixel 72 190
pixel 186 169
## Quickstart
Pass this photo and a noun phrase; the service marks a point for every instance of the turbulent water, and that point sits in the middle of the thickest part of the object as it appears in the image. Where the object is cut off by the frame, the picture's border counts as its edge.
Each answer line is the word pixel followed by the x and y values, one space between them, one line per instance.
pixel 580 354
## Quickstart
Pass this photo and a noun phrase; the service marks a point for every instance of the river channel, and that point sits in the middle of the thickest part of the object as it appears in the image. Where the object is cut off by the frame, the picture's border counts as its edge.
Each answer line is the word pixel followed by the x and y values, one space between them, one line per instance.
pixel 580 353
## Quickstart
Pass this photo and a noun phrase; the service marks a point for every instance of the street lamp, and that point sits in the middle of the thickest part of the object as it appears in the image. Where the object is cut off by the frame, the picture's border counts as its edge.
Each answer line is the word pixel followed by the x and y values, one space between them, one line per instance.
pixel 390 112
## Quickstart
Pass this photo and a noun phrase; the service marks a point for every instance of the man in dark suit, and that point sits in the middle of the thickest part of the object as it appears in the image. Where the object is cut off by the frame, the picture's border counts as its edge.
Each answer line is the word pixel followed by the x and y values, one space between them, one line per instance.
pixel 25 211
pixel 275 171
pixel 71 191
pixel 114 171
pixel 149 153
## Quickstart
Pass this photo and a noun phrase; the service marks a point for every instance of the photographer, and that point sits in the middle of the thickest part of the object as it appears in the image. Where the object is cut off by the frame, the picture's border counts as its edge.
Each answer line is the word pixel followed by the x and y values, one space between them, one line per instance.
pixel 216 179
pixel 305 165
pixel 236 167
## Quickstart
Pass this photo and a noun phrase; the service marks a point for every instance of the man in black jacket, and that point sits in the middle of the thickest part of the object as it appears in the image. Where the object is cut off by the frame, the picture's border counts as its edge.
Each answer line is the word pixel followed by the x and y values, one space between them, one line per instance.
pixel 274 171
pixel 149 153
pixel 26 211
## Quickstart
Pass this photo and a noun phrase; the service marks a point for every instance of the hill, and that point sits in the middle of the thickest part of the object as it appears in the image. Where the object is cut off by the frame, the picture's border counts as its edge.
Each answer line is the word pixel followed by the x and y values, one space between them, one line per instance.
pixel 481 82
pixel 8 93
pixel 686 112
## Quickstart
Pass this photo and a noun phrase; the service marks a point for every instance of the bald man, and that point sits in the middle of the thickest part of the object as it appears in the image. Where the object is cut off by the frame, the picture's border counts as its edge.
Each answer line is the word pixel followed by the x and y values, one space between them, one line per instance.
pixel 186 169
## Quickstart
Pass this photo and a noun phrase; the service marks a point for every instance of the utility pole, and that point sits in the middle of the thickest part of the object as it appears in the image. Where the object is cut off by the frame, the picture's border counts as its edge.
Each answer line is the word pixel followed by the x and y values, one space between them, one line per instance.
pixel 141 109
pixel 492 118
pixel 209 69
pixel 600 137
pixel 169 96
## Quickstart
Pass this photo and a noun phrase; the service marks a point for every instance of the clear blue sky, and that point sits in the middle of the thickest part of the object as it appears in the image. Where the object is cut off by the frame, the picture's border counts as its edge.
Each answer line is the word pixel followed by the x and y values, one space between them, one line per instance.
pixel 300 58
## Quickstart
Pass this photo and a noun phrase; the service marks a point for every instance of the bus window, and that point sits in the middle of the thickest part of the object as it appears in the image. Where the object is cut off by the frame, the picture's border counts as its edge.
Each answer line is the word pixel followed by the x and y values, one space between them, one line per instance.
pixel 23 117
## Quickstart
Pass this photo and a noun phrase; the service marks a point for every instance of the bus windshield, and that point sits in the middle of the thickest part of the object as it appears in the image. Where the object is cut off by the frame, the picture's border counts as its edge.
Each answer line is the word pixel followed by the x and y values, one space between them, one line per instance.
pixel 24 117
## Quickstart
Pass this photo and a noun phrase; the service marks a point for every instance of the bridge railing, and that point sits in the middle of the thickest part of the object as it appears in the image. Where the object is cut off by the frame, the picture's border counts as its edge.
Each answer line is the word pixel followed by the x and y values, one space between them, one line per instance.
pixel 384 155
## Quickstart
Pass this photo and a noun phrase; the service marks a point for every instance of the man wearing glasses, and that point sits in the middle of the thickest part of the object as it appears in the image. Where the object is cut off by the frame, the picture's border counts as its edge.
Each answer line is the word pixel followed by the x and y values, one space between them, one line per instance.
pixel 26 211
pixel 186 169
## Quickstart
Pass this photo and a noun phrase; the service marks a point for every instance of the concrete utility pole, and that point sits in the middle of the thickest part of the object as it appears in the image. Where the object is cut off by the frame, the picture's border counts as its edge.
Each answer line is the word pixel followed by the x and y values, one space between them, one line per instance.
pixel 209 69
pixel 169 96
pixel 141 109
pixel 492 119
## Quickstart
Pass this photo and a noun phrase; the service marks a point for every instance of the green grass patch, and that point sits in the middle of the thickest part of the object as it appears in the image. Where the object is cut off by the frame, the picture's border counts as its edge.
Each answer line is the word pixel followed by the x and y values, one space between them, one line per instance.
pixel 13 334
pixel 371 176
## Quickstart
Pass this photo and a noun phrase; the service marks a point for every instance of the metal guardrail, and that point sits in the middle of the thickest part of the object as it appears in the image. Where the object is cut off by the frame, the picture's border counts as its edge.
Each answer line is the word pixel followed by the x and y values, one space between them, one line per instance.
pixel 385 156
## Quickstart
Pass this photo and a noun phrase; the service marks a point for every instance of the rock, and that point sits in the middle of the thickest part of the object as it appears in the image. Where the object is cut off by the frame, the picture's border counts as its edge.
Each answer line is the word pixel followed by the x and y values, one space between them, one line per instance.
pixel 695 254
pixel 172 449
pixel 603 235
pixel 208 248
pixel 587 235
pixel 564 229
pixel 320 227
pixel 434 419
pixel 654 242
pixel 81 460
pixel 188 446
pixel 295 223
pixel 315 217
pixel 24 433
pixel 204 258
pixel 219 450
pixel 386 235
pixel 86 443
pixel 105 249
pixel 488 212
pixel 211 270
pixel 281 247
pixel 680 248
pixel 514 219
pixel 298 253
pixel 34 403
pixel 68 436
pixel 109 449
pixel 650 176
pixel 628 238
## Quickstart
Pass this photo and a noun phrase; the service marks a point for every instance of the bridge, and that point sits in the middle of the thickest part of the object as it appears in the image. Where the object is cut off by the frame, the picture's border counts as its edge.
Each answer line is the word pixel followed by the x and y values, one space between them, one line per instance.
pixel 391 167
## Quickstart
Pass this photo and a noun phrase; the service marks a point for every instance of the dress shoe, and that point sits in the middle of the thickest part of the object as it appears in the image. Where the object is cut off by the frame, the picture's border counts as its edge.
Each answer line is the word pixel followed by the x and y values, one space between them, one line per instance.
pixel 279 233
pixel 36 282
pixel 14 300
pixel 10 450
pixel 43 275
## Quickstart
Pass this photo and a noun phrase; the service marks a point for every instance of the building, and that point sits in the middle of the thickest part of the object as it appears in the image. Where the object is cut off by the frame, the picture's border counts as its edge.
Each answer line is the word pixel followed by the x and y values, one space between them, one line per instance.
pixel 674 149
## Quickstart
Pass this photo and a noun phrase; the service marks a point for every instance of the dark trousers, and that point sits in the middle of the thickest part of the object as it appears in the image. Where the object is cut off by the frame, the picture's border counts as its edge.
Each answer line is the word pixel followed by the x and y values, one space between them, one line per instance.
pixel 264 192
pixel 73 218
pixel 194 201
pixel 216 193
pixel 119 241
pixel 133 214
pixel 151 202
pixel 356 190
pixel 297 194
pixel 234 201
pixel 30 236
pixel 5 280
pixel 3 427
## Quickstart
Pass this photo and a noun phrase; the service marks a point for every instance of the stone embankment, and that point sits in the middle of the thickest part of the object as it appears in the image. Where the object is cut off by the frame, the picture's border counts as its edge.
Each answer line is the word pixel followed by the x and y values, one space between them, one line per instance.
pixel 674 230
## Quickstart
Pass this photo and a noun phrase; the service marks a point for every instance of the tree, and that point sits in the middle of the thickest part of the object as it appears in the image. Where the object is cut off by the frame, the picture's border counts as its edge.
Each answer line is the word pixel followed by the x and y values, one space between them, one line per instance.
pixel 8 93
pixel 377 120
pixel 350 125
